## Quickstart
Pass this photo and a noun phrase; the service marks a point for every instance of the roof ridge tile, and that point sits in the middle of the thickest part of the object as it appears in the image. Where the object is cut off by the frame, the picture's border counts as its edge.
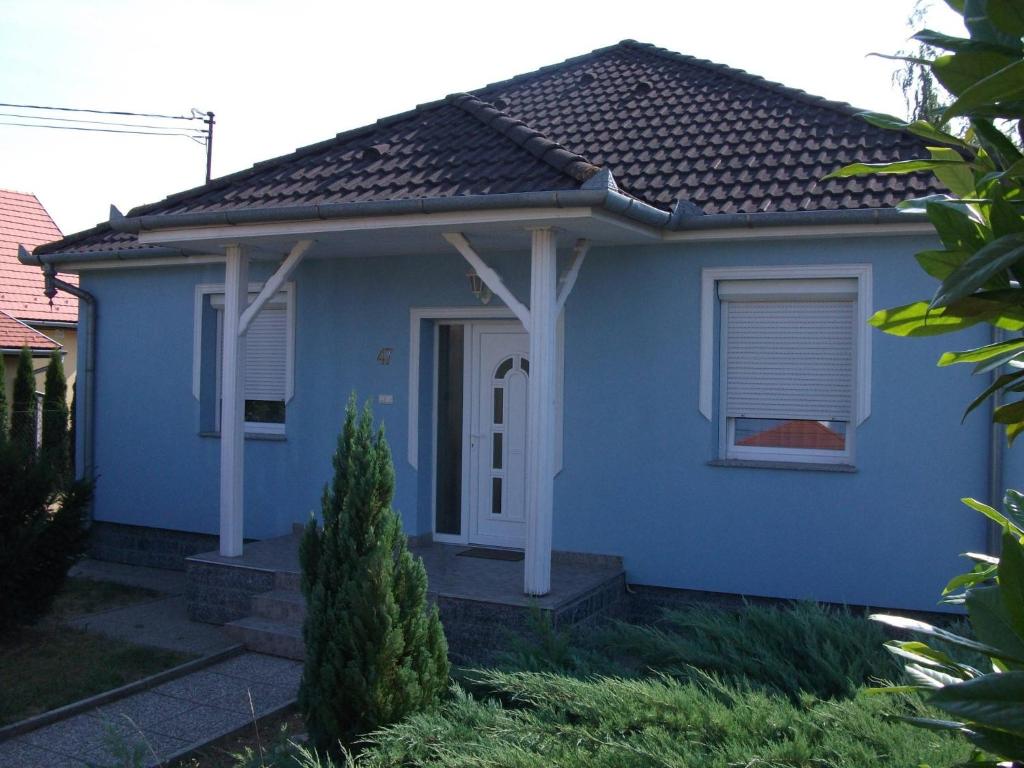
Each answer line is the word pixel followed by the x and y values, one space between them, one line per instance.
pixel 533 141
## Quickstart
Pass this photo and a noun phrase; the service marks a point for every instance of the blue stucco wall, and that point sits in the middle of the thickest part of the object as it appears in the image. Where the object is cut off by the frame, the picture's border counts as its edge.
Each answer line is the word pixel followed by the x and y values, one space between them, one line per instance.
pixel 636 480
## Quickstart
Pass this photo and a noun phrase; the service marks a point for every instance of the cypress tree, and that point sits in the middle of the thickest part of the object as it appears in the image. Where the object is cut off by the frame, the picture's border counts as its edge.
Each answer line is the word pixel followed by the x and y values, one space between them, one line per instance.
pixel 53 451
pixel 375 652
pixel 23 406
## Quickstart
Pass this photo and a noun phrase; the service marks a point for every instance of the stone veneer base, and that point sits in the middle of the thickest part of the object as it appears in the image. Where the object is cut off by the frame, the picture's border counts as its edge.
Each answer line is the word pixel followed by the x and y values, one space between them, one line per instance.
pixel 146 546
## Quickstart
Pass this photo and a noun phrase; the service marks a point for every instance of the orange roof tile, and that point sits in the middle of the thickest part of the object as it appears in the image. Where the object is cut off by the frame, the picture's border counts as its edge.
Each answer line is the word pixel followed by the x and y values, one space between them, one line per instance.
pixel 14 334
pixel 24 221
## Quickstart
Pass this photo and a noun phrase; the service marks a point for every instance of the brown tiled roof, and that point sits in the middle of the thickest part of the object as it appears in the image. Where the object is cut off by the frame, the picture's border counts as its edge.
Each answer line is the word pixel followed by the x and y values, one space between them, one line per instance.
pixel 673 127
pixel 669 127
pixel 24 221
pixel 15 335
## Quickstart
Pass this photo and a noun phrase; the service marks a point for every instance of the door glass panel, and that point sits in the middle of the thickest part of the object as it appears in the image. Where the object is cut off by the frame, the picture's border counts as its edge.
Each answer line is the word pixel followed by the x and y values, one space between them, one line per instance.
pixel 503 369
pixel 499 405
pixel 448 499
pixel 525 365
pixel 496 457
pixel 495 495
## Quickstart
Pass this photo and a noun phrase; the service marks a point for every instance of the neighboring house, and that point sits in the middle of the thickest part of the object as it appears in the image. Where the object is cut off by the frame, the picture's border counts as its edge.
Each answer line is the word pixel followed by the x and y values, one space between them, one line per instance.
pixel 14 335
pixel 24 221
pixel 700 395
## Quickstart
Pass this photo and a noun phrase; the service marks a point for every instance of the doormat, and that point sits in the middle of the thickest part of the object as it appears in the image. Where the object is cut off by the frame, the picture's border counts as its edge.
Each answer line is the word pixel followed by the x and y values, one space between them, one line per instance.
pixel 491 554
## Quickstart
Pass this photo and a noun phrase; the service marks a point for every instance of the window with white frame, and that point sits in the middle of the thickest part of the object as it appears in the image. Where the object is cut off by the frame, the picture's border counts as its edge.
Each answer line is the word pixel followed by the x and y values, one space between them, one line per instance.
pixel 792 362
pixel 268 360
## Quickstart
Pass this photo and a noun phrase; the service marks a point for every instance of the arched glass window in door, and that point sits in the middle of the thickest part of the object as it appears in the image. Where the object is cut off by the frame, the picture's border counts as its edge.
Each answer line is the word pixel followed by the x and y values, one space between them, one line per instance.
pixel 508 389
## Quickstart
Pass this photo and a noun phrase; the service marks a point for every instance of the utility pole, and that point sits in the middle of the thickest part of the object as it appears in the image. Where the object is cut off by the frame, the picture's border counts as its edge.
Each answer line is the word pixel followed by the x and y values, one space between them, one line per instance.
pixel 209 121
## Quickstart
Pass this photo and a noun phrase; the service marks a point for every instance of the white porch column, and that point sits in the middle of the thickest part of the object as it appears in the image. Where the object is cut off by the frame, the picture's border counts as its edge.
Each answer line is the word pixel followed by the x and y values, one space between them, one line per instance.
pixel 540 414
pixel 232 416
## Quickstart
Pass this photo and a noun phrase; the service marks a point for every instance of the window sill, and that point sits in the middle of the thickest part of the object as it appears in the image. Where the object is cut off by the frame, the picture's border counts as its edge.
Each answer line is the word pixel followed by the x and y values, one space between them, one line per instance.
pixel 268 436
pixel 801 466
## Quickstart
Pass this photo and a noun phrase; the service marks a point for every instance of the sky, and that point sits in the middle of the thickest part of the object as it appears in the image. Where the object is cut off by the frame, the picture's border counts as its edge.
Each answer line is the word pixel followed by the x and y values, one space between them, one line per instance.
pixel 280 75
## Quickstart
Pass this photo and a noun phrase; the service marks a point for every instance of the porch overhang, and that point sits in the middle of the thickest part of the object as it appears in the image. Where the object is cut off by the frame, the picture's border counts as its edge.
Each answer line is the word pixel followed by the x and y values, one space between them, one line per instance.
pixel 402 235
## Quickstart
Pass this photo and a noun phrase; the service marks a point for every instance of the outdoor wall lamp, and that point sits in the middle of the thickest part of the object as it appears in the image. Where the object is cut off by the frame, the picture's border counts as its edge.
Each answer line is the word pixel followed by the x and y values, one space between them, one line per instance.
pixel 476 285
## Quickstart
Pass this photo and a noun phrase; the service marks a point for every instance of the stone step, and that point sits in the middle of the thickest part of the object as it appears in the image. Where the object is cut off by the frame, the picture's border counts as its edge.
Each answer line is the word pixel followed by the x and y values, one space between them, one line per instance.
pixel 287 581
pixel 265 636
pixel 281 605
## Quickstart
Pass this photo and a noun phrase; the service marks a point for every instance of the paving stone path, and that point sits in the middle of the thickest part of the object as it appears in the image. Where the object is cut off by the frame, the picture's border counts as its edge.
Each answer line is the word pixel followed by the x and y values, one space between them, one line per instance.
pixel 163 722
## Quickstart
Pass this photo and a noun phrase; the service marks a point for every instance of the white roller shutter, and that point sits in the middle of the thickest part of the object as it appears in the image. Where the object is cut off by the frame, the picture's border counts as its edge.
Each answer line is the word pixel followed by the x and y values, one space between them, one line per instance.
pixel 266 350
pixel 266 355
pixel 789 359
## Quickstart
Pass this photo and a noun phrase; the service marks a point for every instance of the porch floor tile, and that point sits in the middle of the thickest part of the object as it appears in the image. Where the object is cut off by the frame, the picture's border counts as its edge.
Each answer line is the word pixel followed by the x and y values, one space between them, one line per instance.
pixel 452 576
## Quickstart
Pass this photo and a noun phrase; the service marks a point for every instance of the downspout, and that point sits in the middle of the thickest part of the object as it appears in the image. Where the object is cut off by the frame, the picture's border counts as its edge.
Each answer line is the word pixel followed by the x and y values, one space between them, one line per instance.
pixel 52 285
pixel 997 456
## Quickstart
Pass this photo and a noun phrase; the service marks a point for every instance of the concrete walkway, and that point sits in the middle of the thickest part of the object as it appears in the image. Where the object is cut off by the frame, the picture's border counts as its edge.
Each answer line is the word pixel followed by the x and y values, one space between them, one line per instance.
pixel 164 722
pixel 161 622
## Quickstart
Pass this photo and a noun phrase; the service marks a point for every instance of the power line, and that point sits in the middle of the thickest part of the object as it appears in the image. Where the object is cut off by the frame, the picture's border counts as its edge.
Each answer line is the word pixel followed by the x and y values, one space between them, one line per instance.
pixel 105 112
pixel 202 136
pixel 92 122
pixel 102 130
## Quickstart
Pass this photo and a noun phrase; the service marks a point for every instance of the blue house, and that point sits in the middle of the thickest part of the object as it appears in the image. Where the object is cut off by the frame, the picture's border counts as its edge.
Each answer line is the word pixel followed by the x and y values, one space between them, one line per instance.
pixel 606 310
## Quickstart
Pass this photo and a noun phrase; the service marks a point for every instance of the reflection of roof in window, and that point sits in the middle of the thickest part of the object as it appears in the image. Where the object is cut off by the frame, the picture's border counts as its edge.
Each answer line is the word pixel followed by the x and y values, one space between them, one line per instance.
pixel 797 434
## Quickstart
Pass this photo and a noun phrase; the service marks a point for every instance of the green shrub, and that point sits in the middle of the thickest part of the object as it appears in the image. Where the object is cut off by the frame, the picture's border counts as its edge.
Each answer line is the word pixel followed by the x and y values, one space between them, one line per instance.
pixel 618 723
pixel 23 406
pixel 42 532
pixel 54 449
pixel 795 649
pixel 374 652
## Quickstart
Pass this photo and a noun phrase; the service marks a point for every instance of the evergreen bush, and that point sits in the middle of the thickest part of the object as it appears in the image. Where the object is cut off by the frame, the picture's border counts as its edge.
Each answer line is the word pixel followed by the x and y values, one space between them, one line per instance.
pixel 23 406
pixel 42 533
pixel 375 652
pixel 54 448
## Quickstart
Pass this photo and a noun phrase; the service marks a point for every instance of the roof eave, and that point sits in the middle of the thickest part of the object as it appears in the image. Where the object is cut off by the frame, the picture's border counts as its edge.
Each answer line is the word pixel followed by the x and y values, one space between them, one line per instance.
pixel 839 217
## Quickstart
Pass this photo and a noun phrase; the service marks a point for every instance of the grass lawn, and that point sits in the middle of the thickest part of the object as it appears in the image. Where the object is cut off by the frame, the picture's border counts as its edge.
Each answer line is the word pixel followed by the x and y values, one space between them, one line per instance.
pixel 50 665
pixel 82 596
pixel 766 687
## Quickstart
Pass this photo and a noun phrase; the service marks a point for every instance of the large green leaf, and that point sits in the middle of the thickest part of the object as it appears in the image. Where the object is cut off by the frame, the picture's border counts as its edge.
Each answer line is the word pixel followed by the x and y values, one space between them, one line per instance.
pixel 1011 582
pixel 1005 218
pixel 953 171
pixel 1007 16
pixel 918 127
pixel 977 354
pixel 900 166
pixel 919 319
pixel 1013 510
pixel 993 625
pixel 996 742
pixel 1001 86
pixel 957 44
pixel 978 575
pixel 958 224
pixel 913 625
pixel 995 386
pixel 930 677
pixel 992 514
pixel 1011 413
pixel 958 72
pixel 993 701
pixel 940 264
pixel 995 142
pixel 991 260
pixel 980 25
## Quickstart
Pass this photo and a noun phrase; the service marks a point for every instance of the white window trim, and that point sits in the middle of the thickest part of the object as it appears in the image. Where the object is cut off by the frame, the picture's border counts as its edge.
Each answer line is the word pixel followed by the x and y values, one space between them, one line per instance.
pixel 710 277
pixel 727 448
pixel 202 291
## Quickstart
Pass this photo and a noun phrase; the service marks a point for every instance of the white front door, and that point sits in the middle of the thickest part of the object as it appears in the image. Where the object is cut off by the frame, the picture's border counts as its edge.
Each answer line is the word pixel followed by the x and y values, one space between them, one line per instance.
pixel 497 434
